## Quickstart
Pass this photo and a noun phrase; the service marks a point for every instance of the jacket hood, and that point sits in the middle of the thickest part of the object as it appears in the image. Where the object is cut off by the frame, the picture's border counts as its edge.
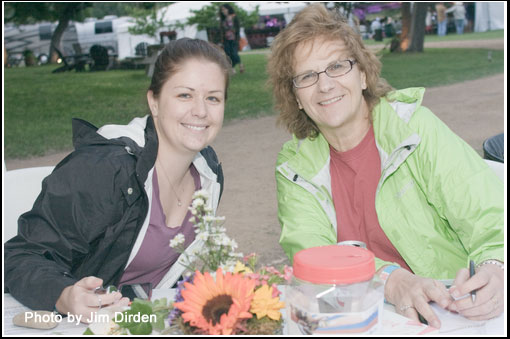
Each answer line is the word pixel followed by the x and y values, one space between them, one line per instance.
pixel 86 134
pixel 138 138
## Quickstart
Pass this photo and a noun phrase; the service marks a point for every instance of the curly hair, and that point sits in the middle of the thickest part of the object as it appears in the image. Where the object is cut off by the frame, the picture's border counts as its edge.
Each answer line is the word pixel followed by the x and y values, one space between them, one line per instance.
pixel 313 22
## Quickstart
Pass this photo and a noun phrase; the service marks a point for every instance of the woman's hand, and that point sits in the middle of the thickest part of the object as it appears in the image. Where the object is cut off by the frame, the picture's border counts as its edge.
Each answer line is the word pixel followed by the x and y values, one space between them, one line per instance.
pixel 411 295
pixel 80 299
pixel 488 282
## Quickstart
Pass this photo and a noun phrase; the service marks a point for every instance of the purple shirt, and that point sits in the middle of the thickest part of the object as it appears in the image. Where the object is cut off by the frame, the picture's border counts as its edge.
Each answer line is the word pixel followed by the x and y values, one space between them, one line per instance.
pixel 155 256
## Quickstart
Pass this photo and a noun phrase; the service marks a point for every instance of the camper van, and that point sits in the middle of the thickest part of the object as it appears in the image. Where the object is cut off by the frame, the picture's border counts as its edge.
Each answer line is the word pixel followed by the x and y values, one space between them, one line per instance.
pixel 111 32
pixel 36 38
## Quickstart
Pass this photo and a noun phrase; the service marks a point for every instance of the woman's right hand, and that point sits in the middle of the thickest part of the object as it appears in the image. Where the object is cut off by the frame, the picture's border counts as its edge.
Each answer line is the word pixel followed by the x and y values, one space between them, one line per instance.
pixel 411 295
pixel 79 299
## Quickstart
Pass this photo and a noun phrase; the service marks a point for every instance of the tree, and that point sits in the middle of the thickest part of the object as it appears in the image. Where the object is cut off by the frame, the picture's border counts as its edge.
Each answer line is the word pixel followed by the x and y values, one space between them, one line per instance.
pixel 412 37
pixel 32 12
pixel 146 21
pixel 208 18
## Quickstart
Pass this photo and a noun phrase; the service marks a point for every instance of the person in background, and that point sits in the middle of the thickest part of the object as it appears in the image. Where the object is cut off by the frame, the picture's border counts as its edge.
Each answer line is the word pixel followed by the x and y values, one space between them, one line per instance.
pixel 441 19
pixel 229 28
pixel 459 15
pixel 428 21
pixel 470 16
pixel 369 163
pixel 106 214
pixel 376 28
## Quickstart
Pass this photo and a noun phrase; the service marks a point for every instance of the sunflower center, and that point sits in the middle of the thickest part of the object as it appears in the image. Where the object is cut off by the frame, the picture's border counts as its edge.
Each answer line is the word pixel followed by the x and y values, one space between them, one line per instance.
pixel 216 307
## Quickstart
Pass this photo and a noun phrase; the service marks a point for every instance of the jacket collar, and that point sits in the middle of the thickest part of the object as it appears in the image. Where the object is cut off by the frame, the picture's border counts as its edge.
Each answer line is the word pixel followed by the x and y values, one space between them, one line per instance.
pixel 391 129
pixel 138 138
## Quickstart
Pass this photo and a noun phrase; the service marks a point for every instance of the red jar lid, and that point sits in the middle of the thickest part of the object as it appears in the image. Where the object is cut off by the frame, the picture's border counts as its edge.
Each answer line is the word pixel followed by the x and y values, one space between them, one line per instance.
pixel 334 264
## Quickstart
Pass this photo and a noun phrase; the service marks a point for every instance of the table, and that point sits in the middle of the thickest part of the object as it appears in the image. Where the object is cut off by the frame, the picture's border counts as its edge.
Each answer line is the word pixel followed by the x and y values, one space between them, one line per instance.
pixel 392 323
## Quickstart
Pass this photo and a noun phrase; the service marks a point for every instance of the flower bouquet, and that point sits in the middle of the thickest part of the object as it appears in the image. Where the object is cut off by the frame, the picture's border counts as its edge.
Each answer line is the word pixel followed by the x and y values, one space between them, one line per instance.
pixel 223 292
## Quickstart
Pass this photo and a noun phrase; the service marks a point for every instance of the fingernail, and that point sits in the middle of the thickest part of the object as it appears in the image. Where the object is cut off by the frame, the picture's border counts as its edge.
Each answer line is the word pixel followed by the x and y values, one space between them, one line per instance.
pixel 453 307
pixel 436 324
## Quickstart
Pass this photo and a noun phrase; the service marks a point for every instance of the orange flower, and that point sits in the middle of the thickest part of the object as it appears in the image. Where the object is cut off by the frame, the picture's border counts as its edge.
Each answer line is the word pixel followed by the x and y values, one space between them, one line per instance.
pixel 216 306
pixel 264 304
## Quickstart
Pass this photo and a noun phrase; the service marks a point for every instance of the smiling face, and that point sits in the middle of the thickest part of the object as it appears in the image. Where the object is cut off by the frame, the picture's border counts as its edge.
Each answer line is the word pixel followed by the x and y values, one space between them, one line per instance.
pixel 188 113
pixel 336 105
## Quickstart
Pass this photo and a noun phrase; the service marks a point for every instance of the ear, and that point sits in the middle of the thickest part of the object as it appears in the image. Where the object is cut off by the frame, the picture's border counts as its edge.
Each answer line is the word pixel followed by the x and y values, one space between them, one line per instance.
pixel 363 81
pixel 299 103
pixel 153 103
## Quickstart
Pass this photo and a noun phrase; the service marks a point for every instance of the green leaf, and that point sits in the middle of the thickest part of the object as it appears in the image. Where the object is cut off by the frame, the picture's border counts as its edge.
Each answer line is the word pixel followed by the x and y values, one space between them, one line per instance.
pixel 88 332
pixel 142 328
pixel 138 309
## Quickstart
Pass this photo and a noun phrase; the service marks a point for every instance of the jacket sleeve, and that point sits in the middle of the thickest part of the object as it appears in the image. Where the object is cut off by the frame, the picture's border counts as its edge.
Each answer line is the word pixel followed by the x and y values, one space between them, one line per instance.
pixel 463 190
pixel 55 236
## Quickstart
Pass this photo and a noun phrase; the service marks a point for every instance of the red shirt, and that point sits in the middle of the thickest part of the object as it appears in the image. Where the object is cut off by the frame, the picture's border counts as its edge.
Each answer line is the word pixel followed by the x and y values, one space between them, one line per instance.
pixel 355 175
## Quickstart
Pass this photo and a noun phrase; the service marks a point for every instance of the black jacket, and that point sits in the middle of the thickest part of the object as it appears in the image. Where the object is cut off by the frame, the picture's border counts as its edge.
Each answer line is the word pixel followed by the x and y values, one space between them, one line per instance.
pixel 87 217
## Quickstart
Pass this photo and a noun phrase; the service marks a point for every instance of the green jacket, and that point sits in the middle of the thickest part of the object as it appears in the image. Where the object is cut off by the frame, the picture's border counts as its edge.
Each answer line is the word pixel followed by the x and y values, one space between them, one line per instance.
pixel 437 201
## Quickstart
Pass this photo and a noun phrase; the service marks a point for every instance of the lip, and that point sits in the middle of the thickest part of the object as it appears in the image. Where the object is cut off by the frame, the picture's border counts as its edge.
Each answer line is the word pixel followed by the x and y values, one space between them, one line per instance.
pixel 331 101
pixel 193 127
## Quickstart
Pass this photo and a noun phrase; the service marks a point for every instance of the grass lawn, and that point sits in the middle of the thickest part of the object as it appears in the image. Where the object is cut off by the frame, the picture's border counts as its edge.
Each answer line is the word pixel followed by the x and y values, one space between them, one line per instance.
pixel 39 105
pixel 498 34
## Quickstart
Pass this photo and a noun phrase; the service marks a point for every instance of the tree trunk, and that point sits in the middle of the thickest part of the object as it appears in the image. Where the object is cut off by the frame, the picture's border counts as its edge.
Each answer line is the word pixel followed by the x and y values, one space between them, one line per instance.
pixel 405 36
pixel 55 40
pixel 66 14
pixel 418 27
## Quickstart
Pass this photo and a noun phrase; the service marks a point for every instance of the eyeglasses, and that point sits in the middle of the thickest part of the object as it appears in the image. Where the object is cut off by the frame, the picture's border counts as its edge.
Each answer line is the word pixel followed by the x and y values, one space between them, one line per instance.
pixel 335 70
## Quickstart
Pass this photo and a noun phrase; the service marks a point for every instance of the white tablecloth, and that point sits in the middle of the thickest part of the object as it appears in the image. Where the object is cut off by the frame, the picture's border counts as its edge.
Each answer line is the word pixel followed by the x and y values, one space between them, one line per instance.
pixel 392 323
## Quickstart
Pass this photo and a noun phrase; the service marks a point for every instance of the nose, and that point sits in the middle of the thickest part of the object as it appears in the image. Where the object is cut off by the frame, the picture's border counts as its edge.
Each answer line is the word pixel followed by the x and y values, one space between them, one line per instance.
pixel 200 108
pixel 325 83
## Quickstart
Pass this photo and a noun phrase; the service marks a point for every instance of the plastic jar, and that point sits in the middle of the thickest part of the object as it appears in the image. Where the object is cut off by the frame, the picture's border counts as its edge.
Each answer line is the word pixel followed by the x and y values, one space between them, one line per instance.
pixel 334 290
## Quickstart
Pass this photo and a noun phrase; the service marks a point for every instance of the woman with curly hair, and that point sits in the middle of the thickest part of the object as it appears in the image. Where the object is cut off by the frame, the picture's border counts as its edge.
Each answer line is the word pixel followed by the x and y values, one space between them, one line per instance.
pixel 370 163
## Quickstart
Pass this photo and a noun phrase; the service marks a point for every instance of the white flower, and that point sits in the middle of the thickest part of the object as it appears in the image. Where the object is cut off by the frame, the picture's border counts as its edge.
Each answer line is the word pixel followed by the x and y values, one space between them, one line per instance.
pixel 203 236
pixel 232 244
pixel 197 250
pixel 201 194
pixel 209 218
pixel 177 240
pixel 198 202
pixel 225 241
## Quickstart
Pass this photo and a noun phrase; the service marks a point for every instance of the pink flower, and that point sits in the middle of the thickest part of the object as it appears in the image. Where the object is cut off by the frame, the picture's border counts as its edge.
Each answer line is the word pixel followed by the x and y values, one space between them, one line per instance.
pixel 276 291
pixel 287 273
pixel 249 256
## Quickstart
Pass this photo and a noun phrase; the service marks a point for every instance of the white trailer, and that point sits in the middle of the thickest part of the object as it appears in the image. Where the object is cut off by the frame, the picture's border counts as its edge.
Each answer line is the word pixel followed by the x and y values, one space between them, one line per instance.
pixel 36 38
pixel 111 32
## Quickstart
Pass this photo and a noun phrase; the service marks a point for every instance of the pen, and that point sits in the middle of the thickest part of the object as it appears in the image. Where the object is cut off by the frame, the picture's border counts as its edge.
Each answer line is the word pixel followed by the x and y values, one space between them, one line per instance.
pixel 472 273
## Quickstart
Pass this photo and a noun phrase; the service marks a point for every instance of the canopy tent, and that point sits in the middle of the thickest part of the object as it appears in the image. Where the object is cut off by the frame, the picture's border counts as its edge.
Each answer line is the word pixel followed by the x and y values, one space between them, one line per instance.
pixel 288 9
pixel 181 11
pixel 489 16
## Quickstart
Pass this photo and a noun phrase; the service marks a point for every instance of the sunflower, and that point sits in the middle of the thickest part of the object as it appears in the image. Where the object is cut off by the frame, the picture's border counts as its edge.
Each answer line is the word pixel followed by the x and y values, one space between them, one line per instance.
pixel 264 304
pixel 216 306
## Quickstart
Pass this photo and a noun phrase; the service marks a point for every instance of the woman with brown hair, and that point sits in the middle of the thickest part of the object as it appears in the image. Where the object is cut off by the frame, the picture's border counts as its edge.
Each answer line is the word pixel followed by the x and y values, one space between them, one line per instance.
pixel 369 163
pixel 108 211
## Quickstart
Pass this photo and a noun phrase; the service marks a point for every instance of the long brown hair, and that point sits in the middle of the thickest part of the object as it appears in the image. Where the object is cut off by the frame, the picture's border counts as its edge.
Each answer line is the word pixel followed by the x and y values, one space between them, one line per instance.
pixel 313 22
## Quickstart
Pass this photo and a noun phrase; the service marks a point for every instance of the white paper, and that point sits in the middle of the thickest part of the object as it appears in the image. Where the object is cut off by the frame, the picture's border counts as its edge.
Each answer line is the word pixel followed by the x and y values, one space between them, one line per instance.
pixel 454 323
